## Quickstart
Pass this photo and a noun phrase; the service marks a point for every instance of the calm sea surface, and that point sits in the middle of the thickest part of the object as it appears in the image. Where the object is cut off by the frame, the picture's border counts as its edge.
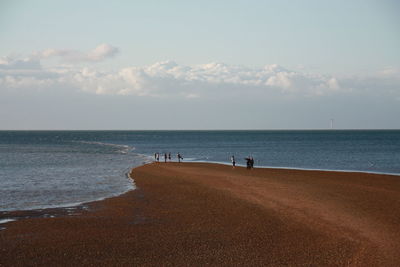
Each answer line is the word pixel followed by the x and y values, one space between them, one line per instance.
pixel 40 169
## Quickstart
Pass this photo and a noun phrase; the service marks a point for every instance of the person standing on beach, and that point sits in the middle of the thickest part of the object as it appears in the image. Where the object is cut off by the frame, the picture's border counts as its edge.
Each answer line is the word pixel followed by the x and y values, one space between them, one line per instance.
pixel 233 161
pixel 165 157
pixel 251 162
pixel 248 164
pixel 155 156
pixel 158 157
pixel 179 157
pixel 169 156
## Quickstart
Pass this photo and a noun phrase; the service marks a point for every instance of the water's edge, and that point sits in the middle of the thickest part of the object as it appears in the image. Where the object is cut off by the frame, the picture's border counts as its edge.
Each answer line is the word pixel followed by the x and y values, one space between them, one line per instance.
pixel 74 209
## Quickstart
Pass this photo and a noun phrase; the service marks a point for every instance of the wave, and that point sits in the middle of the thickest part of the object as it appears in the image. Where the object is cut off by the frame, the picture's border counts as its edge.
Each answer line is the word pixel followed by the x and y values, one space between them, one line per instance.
pixel 7 220
pixel 123 149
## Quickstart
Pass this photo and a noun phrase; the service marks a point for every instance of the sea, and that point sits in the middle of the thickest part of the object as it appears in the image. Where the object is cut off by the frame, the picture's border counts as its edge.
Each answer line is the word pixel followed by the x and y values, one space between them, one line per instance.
pixel 50 169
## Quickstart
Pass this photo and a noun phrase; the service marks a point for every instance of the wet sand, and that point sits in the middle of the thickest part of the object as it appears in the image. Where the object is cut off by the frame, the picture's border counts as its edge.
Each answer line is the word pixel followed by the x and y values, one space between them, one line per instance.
pixel 198 213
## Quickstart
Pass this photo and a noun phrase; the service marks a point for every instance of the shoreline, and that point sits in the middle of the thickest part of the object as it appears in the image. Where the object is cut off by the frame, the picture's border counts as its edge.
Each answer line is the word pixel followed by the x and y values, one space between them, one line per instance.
pixel 294 168
pixel 66 209
pixel 183 213
pixel 128 175
pixel 77 204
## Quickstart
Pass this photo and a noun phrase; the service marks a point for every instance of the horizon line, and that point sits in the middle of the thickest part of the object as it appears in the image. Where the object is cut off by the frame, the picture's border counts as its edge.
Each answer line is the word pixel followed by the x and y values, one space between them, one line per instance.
pixel 277 129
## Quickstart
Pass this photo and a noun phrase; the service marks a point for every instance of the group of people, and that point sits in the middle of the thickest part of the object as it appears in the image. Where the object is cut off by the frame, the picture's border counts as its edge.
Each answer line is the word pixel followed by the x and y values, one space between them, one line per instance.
pixel 249 162
pixel 167 157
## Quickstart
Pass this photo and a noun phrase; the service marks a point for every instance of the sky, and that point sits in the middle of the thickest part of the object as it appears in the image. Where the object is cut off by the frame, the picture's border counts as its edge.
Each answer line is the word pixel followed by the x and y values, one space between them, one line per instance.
pixel 155 65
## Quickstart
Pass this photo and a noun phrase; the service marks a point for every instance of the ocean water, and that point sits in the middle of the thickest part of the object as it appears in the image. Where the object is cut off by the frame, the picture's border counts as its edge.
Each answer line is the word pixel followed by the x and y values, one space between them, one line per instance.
pixel 42 169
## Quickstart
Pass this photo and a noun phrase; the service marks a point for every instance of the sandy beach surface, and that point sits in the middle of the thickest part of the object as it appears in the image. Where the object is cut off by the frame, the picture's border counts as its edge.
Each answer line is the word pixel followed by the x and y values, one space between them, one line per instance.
pixel 194 214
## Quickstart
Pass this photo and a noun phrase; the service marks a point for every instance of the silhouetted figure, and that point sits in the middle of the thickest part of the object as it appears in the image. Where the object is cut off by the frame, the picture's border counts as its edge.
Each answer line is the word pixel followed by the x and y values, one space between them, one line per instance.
pixel 179 157
pixel 248 163
pixel 169 156
pixel 251 162
pixel 165 157
pixel 155 156
pixel 233 161
pixel 158 157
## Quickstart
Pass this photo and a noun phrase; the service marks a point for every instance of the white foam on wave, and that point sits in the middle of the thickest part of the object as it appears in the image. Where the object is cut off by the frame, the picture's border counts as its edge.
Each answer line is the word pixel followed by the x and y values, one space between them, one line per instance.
pixel 145 158
pixel 7 220
pixel 124 149
pixel 190 159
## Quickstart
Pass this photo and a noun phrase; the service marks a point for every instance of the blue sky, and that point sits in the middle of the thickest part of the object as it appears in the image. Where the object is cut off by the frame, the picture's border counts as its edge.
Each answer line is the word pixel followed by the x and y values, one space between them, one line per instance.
pixel 228 64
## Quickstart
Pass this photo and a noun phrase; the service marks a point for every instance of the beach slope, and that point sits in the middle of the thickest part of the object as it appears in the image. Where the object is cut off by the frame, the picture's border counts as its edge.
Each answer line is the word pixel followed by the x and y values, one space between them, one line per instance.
pixel 200 213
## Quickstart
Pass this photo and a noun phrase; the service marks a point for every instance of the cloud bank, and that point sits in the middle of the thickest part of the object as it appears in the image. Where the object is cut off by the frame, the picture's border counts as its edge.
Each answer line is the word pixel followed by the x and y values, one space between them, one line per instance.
pixel 66 89
pixel 169 79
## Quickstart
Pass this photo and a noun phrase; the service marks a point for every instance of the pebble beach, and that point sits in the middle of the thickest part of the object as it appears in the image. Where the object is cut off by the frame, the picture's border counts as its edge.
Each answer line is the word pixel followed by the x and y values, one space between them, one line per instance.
pixel 185 214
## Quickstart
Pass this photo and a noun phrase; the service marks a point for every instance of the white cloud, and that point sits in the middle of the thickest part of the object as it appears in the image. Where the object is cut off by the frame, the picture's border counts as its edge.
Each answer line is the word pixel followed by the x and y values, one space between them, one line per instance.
pixel 169 79
pixel 25 82
pixel 281 79
pixel 333 84
pixel 101 52
pixel 390 72
pixel 15 63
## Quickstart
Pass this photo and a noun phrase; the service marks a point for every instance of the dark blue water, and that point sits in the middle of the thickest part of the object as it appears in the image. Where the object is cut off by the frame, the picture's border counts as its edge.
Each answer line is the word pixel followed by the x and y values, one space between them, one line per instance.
pixel 59 168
